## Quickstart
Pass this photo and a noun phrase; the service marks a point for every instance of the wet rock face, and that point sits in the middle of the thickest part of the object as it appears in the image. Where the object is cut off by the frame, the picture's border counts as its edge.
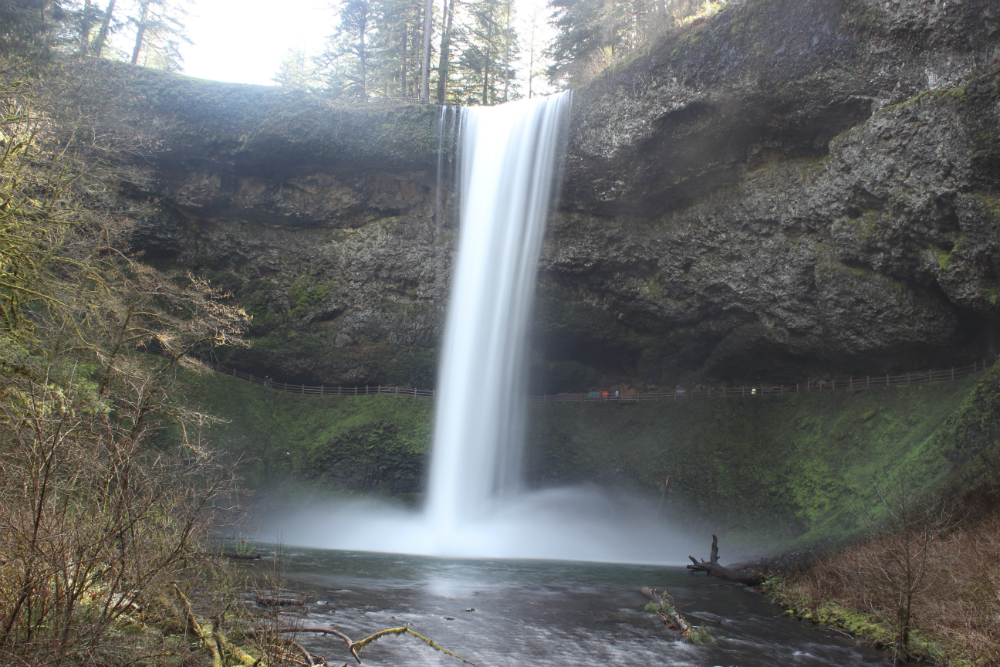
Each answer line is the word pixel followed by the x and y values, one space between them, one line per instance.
pixel 789 188
pixel 767 204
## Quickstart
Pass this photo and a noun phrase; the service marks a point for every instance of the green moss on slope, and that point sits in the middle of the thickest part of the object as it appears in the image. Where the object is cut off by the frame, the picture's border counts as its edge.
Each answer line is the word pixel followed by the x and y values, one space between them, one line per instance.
pixel 770 470
pixel 313 444
pixel 761 471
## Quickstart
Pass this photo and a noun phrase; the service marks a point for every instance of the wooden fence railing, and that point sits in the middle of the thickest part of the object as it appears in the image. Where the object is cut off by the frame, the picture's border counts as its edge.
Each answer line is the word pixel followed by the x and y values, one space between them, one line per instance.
pixel 850 383
pixel 324 390
pixel 866 382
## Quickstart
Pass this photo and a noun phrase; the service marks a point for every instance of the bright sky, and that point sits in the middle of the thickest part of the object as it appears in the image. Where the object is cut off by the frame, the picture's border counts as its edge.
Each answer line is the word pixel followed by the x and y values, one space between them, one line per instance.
pixel 245 41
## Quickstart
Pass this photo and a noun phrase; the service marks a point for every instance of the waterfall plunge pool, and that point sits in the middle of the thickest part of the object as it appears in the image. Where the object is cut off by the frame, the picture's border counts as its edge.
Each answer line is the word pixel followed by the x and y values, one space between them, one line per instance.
pixel 543 613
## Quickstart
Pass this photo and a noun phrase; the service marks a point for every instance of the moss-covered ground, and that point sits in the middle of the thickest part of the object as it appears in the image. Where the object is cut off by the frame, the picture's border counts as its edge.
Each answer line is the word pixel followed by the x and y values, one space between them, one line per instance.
pixel 775 470
pixel 316 444
pixel 763 472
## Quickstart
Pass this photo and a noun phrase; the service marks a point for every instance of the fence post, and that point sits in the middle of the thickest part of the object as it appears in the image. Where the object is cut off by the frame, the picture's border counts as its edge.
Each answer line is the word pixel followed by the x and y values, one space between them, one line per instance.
pixel 321 390
pixel 887 380
pixel 234 372
pixel 907 378
pixel 868 381
pixel 710 392
pixel 355 390
pixel 414 392
pixel 251 378
pixel 834 385
pixel 782 389
pixel 303 389
pixel 744 391
pixel 796 387
pixel 952 372
pixel 379 390
pixel 850 382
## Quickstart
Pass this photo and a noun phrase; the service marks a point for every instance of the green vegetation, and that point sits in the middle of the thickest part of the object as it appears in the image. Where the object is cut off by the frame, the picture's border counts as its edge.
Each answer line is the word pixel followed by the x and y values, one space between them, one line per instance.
pixel 96 515
pixel 316 444
pixel 768 471
pixel 699 635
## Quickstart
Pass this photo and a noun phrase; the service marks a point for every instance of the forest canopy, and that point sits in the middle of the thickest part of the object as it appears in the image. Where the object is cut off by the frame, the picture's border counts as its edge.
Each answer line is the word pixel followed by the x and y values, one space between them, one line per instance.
pixel 469 53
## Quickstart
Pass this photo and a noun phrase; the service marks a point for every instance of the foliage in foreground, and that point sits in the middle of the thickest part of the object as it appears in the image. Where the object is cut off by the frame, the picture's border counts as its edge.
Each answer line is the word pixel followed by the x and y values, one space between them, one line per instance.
pixel 96 514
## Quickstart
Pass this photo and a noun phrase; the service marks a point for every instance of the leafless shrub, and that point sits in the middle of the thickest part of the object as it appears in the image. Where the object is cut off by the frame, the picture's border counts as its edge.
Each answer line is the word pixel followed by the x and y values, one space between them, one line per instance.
pixel 923 567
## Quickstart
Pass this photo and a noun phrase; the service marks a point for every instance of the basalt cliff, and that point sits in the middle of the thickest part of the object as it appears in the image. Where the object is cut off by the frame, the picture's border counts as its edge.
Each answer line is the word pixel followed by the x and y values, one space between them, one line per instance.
pixel 788 189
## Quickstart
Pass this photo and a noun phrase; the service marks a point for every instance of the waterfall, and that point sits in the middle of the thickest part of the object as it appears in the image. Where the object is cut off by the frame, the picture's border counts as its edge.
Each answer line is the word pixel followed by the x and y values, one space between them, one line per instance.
pixel 506 171
pixel 507 160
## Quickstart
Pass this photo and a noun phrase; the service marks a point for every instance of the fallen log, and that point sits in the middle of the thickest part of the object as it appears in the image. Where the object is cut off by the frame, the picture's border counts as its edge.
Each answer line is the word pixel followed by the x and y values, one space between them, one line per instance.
pixel 712 567
pixel 354 647
pixel 666 611
pixel 231 555
pixel 267 601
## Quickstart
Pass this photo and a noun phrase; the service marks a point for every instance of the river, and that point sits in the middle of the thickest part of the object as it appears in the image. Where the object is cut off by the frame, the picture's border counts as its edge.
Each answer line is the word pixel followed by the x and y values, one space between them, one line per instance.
pixel 542 613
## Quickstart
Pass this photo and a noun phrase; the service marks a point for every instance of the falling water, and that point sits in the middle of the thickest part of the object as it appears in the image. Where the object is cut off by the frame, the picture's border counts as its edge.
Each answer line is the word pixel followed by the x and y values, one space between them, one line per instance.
pixel 506 180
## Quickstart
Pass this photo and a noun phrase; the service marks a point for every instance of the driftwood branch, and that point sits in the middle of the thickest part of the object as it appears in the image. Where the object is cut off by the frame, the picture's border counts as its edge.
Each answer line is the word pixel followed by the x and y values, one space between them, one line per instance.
pixel 667 613
pixel 324 631
pixel 231 555
pixel 355 646
pixel 712 567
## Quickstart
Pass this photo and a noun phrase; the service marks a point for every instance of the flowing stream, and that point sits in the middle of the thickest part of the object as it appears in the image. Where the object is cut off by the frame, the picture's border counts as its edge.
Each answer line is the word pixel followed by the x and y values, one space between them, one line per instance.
pixel 512 612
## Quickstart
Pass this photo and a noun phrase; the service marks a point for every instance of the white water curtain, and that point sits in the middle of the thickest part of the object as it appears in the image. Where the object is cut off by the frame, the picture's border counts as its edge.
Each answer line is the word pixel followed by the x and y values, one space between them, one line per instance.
pixel 506 183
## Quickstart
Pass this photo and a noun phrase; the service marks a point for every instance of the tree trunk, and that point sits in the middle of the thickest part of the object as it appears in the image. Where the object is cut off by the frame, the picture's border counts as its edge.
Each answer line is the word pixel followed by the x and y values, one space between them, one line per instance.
pixel 85 29
pixel 442 87
pixel 531 56
pixel 363 57
pixel 506 54
pixel 425 64
pixel 102 36
pixel 712 567
pixel 402 61
pixel 141 32
pixel 489 56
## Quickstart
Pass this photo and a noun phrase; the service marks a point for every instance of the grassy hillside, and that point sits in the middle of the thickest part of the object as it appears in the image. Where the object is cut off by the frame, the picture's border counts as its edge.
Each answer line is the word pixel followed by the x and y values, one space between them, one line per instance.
pixel 763 471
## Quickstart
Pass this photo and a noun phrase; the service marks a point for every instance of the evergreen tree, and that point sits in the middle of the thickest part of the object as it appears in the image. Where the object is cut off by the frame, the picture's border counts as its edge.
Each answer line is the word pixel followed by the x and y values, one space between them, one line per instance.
pixel 159 33
pixel 297 72
pixel 396 40
pixel 30 30
pixel 444 61
pixel 346 61
pixel 488 47
pixel 594 33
